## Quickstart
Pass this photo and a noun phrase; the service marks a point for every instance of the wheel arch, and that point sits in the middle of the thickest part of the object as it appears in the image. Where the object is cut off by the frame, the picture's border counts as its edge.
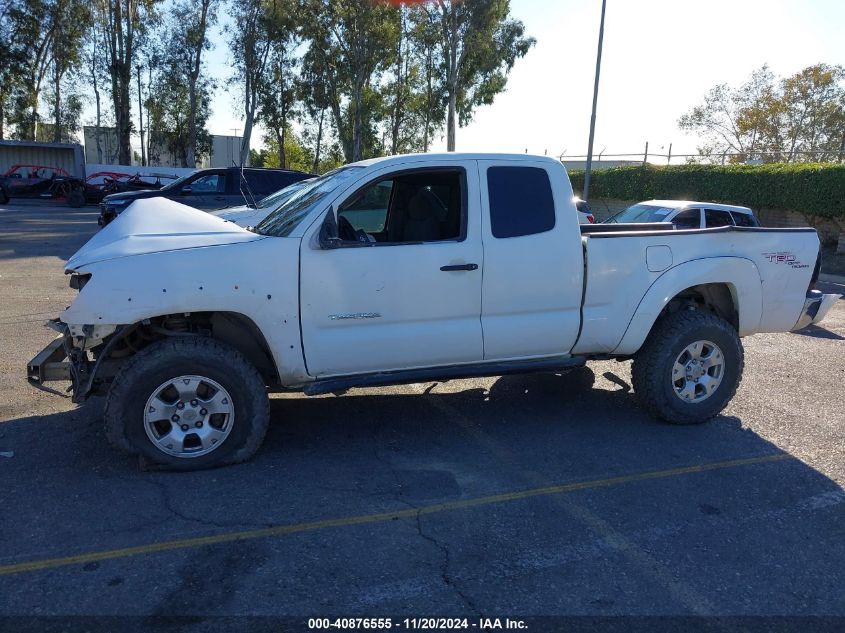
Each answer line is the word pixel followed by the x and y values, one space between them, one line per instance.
pixel 230 328
pixel 729 286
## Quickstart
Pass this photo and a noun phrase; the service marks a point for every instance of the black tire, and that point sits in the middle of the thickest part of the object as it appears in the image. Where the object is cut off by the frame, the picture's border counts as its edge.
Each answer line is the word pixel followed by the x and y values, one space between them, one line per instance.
pixel 76 198
pixel 651 373
pixel 178 356
pixel 4 197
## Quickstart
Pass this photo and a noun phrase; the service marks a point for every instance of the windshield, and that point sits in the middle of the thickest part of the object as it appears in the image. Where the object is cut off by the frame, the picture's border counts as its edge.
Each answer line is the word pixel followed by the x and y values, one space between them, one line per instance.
pixel 176 183
pixel 275 199
pixel 642 213
pixel 282 221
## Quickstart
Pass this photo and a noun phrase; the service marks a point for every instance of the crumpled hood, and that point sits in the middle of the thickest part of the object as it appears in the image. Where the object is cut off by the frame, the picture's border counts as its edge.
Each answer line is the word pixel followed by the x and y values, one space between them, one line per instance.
pixel 243 216
pixel 157 225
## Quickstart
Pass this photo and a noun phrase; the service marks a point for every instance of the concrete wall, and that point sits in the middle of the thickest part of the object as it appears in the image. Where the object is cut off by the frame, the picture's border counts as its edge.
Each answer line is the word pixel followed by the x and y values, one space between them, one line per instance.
pixel 830 231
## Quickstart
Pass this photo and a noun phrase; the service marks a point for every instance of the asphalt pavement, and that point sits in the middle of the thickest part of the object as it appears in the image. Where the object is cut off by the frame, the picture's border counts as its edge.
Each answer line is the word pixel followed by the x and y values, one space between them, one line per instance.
pixel 497 497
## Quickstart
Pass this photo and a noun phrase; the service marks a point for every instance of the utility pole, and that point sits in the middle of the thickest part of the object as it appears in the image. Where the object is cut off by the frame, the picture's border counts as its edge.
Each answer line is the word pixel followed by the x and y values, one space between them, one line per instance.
pixel 141 117
pixel 586 193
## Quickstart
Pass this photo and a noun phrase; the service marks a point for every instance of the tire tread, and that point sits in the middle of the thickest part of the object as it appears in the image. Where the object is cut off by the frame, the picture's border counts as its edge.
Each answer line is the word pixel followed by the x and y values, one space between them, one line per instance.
pixel 646 372
pixel 187 347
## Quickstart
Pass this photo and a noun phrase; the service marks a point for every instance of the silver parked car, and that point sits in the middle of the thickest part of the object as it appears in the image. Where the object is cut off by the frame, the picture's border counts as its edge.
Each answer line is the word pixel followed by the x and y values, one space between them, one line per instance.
pixel 684 214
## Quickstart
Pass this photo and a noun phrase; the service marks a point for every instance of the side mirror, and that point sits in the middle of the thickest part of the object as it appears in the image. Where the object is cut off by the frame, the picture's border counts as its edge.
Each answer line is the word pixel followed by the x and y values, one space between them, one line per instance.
pixel 186 190
pixel 328 233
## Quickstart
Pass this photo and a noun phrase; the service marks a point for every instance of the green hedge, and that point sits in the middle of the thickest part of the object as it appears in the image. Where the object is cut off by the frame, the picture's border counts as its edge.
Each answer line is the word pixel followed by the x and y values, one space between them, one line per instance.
pixel 813 189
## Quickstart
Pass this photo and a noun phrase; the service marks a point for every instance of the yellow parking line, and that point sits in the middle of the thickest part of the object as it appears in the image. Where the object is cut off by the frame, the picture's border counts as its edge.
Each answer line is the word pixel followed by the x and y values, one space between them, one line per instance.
pixel 281 530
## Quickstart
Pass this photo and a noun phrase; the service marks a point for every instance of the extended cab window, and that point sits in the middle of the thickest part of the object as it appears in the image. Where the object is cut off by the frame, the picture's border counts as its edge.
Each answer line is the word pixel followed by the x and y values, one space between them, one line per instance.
pixel 521 201
pixel 715 217
pixel 259 183
pixel 212 183
pixel 743 219
pixel 421 206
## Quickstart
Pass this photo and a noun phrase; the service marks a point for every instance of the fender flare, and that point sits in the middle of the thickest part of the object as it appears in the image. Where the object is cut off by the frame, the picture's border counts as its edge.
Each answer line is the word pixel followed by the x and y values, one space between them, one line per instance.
pixel 739 274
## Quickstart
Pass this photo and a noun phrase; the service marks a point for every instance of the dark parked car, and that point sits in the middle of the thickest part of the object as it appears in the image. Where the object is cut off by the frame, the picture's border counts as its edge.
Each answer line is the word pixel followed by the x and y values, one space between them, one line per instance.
pixel 209 189
pixel 41 181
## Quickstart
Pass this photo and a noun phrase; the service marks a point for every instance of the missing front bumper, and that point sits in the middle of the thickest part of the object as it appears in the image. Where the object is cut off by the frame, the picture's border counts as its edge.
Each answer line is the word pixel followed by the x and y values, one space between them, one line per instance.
pixel 61 361
pixel 49 364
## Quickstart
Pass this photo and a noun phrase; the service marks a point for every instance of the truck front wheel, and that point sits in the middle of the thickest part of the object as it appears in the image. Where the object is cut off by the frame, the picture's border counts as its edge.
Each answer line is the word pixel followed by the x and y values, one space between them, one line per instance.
pixel 186 403
pixel 689 367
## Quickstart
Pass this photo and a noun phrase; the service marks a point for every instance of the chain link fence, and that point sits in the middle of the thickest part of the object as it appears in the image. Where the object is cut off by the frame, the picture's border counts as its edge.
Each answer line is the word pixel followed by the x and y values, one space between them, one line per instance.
pixel 604 159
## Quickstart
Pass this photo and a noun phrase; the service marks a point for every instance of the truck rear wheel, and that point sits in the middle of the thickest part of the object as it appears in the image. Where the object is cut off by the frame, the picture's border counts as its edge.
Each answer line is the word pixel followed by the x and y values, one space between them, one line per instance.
pixel 689 367
pixel 188 403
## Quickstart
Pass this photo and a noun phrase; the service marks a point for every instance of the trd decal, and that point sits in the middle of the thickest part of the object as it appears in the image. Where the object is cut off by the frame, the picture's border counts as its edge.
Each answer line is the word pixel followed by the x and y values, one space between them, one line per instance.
pixel 785 257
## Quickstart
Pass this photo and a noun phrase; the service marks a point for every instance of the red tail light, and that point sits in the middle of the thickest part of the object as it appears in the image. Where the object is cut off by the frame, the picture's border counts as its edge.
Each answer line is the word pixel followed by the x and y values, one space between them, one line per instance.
pixel 591 219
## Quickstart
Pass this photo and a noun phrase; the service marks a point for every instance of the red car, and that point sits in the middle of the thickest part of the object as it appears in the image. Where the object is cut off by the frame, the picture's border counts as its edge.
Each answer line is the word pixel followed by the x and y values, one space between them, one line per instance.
pixel 41 181
pixel 101 183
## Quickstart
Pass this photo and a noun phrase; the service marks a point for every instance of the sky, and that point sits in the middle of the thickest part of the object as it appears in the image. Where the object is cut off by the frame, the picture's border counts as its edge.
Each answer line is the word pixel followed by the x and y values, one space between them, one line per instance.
pixel 660 57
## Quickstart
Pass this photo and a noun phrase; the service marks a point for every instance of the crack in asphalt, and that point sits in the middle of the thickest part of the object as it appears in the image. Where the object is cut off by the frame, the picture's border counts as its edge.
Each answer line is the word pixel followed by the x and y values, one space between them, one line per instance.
pixel 445 567
pixel 445 575
pixel 170 507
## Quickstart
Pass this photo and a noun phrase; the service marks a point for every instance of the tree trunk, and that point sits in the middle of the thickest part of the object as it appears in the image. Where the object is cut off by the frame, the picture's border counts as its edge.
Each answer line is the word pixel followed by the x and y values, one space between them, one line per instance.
pixel 283 158
pixel 191 150
pixel 450 121
pixel 397 106
pixel 358 121
pixel 98 121
pixel 320 140
pixel 57 106
pixel 192 86
pixel 281 143
pixel 123 118
pixel 141 120
pixel 250 115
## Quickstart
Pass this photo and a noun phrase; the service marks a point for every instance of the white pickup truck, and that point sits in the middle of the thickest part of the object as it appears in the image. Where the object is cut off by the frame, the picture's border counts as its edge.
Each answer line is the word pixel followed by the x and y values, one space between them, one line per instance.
pixel 407 269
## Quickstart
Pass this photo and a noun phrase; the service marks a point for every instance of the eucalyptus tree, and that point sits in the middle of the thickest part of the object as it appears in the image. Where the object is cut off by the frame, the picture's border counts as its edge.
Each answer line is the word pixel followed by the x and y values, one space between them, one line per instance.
pixel 279 92
pixel 188 39
pixel 94 56
pixel 71 21
pixel 480 43
pixel 250 42
pixel 350 44
pixel 30 29
pixel 11 62
pixel 125 25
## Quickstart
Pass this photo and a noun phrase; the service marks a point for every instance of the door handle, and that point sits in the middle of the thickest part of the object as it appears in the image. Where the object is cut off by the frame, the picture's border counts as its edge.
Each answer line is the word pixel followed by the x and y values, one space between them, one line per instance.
pixel 455 267
pixel 219 197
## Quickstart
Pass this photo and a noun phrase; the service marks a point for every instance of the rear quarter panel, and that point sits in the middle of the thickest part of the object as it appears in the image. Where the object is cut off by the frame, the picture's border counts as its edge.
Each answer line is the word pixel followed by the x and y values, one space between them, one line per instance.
pixel 766 270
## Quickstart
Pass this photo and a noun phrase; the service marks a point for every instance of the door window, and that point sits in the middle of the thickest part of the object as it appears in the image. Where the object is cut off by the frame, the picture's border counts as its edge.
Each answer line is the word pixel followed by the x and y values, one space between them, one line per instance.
pixel 715 217
pixel 521 201
pixel 689 219
pixel 412 207
pixel 212 183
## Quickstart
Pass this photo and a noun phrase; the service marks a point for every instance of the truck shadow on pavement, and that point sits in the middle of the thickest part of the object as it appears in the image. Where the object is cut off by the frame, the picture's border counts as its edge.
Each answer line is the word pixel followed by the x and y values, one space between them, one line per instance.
pixel 593 550
pixel 816 331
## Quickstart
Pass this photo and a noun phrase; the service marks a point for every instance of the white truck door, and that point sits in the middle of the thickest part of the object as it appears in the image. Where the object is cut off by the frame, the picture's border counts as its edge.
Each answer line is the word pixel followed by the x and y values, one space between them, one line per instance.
pixel 403 290
pixel 533 260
